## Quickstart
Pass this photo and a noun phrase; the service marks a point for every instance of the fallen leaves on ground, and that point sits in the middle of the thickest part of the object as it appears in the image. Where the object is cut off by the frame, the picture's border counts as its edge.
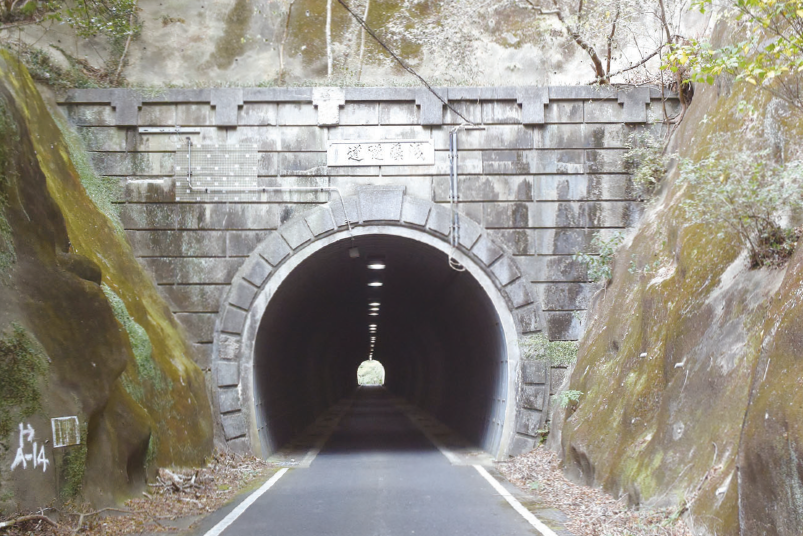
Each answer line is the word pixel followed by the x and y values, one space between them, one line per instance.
pixel 176 499
pixel 591 512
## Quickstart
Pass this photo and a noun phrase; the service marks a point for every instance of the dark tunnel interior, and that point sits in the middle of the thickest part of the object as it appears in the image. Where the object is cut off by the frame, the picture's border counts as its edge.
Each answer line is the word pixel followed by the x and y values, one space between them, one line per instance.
pixel 438 336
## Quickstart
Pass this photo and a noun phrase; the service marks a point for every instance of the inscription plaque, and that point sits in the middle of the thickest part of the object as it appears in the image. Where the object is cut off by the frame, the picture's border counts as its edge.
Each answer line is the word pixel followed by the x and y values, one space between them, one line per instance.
pixel 381 153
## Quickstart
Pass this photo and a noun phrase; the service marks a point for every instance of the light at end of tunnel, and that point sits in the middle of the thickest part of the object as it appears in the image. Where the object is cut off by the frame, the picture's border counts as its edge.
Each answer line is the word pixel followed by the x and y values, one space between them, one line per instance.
pixel 375 283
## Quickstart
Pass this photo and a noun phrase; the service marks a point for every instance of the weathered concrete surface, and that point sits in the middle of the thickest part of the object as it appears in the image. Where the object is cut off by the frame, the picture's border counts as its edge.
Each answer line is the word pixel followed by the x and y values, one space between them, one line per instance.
pixel 136 409
pixel 535 185
pixel 690 374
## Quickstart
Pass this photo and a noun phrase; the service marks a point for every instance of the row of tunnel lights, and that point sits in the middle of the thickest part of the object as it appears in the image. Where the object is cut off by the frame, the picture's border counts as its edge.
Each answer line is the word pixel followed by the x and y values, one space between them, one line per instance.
pixel 374 263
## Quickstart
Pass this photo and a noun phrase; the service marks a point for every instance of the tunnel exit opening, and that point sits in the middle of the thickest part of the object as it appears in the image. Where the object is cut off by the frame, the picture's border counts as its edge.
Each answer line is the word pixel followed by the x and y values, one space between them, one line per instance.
pixel 370 372
pixel 443 344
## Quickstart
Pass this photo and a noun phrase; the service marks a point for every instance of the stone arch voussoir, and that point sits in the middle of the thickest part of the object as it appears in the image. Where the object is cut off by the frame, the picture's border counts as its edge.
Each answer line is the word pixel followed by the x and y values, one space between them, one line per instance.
pixel 254 282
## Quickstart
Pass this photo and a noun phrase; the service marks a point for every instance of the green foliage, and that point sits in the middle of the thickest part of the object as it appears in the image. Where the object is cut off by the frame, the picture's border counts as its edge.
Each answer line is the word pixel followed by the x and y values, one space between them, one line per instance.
pixel 771 57
pixel 599 265
pixel 74 466
pixel 370 373
pixel 746 197
pixel 91 18
pixel 22 366
pixel 646 160
pixel 9 141
pixel 557 353
pixel 566 398
pixel 43 69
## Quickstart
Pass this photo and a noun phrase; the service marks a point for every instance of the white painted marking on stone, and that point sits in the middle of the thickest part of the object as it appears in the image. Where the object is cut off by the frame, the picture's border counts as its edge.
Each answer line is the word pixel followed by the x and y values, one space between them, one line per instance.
pixel 243 506
pixel 517 506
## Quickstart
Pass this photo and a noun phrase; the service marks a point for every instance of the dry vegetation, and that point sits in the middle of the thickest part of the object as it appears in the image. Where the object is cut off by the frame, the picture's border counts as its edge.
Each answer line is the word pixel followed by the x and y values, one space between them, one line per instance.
pixel 591 512
pixel 176 500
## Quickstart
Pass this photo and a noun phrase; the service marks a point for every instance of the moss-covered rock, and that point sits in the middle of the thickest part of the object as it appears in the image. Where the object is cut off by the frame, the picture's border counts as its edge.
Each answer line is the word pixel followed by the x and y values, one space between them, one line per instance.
pixel 116 357
pixel 692 399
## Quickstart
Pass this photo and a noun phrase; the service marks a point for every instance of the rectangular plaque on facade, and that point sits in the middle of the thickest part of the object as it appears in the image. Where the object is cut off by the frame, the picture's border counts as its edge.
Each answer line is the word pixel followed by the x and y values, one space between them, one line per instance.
pixel 381 153
pixel 65 431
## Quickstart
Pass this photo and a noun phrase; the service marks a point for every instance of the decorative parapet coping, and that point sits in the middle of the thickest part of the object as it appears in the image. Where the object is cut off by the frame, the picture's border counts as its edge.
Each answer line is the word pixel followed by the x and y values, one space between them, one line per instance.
pixel 329 101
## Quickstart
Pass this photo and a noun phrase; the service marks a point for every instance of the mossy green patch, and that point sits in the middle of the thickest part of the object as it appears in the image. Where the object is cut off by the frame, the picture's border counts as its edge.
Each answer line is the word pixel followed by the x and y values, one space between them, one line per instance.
pixel 9 139
pixel 23 367
pixel 103 191
pixel 557 353
pixel 73 467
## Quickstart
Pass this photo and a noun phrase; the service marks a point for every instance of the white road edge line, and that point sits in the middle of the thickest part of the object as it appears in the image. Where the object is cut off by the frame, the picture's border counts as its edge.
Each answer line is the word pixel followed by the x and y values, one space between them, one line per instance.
pixel 517 506
pixel 243 506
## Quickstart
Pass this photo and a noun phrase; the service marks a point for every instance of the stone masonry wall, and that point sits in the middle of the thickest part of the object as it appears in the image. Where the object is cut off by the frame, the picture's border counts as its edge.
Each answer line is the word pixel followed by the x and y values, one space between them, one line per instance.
pixel 542 178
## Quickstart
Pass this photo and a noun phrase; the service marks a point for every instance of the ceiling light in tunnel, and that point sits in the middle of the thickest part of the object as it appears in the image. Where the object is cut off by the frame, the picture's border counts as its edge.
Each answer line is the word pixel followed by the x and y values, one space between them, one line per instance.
pixel 376 263
pixel 373 314
pixel 375 283
pixel 371 325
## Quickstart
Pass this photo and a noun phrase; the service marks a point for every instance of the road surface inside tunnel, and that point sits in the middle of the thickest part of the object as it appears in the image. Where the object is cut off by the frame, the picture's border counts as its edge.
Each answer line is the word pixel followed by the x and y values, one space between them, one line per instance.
pixel 377 475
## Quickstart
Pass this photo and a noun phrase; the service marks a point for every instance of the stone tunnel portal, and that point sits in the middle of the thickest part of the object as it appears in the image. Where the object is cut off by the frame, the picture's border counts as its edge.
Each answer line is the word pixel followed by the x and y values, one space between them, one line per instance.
pixel 438 335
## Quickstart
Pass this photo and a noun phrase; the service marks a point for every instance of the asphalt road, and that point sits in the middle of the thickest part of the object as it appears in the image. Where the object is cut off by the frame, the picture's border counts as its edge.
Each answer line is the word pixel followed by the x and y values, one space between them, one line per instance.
pixel 379 475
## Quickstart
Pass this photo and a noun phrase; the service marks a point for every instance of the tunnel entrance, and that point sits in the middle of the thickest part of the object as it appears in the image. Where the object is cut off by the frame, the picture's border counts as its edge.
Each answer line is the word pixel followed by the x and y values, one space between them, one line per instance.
pixel 371 372
pixel 437 330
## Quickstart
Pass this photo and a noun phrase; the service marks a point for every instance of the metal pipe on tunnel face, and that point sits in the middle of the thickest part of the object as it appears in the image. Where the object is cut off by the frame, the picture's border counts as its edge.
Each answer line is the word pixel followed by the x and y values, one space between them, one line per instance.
pixel 308 334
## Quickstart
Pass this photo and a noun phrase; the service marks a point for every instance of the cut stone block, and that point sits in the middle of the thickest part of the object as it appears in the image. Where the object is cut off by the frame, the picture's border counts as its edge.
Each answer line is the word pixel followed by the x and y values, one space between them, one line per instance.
pixel 415 211
pixel 380 203
pixel 486 251
pixel 229 400
pixel 296 232
pixel 242 295
pixel 328 100
pixel 233 320
pixel 533 397
pixel 194 298
pixel 505 270
pixel 440 220
pixel 533 372
pixel 228 374
pixel 258 272
pixel 243 243
pixel 234 425
pixel 320 221
pixel 200 326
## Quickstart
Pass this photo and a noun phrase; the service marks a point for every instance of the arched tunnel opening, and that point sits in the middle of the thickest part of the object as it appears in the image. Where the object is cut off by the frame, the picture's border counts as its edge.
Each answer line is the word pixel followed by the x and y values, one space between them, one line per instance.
pixel 437 334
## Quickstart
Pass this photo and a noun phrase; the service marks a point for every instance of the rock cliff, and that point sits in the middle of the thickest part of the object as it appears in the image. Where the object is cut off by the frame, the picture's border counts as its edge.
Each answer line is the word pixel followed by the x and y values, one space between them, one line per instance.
pixel 83 329
pixel 693 397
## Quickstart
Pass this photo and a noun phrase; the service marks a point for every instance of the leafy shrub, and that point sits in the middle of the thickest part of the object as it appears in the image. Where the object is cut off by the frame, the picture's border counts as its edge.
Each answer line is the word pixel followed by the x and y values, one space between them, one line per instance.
pixel 557 353
pixel 771 57
pixel 599 265
pixel 747 197
pixel 646 160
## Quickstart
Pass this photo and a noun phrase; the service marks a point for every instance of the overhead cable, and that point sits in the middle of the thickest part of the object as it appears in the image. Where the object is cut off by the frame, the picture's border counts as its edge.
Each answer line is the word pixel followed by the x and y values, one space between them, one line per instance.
pixel 401 61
